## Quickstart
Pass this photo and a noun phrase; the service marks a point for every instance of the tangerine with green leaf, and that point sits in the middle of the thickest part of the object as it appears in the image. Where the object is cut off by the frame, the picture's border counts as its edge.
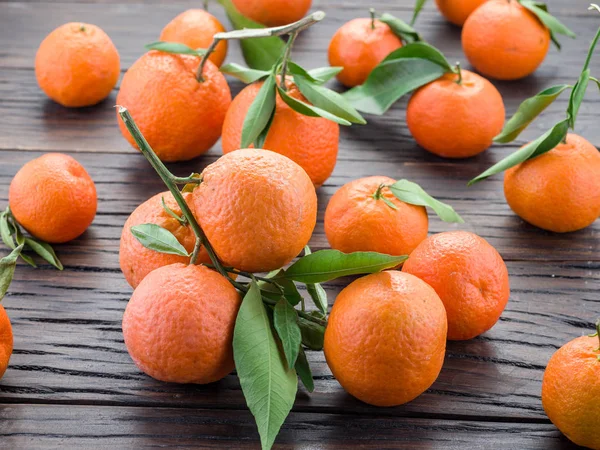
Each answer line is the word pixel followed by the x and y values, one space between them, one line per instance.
pixel 559 190
pixel 179 111
pixel 311 142
pixel 456 116
pixel 77 65
pixel 470 277
pixel 196 28
pixel 386 338
pixel 571 388
pixel 257 208
pixel 359 46
pixel 6 341
pixel 53 198
pixel 273 13
pixel 364 215
pixel 137 261
pixel 178 324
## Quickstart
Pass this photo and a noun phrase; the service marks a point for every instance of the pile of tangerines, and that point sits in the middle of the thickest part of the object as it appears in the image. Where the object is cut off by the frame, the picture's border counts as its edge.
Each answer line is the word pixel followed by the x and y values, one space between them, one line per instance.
pixel 212 260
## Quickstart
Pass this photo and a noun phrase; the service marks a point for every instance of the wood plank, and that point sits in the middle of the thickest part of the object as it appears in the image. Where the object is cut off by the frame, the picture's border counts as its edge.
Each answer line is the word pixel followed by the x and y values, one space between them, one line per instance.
pixel 41 426
pixel 69 348
pixel 125 181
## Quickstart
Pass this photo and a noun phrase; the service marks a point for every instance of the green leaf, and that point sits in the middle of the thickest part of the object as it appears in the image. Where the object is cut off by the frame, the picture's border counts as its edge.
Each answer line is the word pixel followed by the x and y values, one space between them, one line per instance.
pixel 412 193
pixel 245 74
pixel 259 113
pixel 313 334
pixel 309 110
pixel 260 53
pixel 269 386
pixel 327 265
pixel 401 72
pixel 285 320
pixel 529 110
pixel 595 80
pixel 14 228
pixel 417 9
pixel 324 74
pixel 159 239
pixel 7 269
pixel 577 95
pixel 44 250
pixel 316 291
pixel 259 142
pixel 324 98
pixel 400 28
pixel 175 48
pixel 290 291
pixel 541 145
pixel 6 230
pixel 304 372
pixel 551 22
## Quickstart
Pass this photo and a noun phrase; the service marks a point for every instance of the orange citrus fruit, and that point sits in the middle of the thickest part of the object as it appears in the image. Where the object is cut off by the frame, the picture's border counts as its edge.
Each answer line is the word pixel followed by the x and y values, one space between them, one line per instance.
pixel 77 65
pixel 559 190
pixel 504 40
pixel 571 388
pixel 178 325
pixel 456 120
pixel 53 198
pixel 470 277
pixel 180 117
pixel 257 208
pixel 386 338
pixel 457 11
pixel 358 46
pixel 196 28
pixel 311 142
pixel 358 219
pixel 273 13
pixel 136 260
pixel 6 340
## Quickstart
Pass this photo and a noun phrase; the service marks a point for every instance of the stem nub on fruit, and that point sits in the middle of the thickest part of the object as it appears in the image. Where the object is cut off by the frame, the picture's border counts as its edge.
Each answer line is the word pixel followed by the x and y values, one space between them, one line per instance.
pixel 458 72
pixel 249 33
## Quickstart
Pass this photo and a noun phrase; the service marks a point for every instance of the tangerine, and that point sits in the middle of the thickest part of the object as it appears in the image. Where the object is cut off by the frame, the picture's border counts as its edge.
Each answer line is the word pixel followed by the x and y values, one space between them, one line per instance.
pixel 273 13
pixel 457 11
pixel 6 340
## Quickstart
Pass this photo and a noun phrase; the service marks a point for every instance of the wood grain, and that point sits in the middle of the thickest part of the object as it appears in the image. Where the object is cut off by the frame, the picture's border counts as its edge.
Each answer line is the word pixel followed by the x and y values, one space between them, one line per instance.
pixel 71 383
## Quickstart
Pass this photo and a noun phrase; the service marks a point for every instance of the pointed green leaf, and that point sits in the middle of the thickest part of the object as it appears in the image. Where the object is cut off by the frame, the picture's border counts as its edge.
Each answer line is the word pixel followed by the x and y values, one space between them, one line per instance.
pixel 269 386
pixel 309 110
pixel 412 193
pixel 326 99
pixel 313 334
pixel 552 23
pixel 400 28
pixel 259 142
pixel 159 239
pixel 417 9
pixel 327 265
pixel 7 270
pixel 175 48
pixel 577 95
pixel 261 53
pixel 296 69
pixel 245 74
pixel 14 227
pixel 6 230
pixel 285 320
pixel 316 291
pixel 541 145
pixel 290 291
pixel 304 372
pixel 259 113
pixel 529 110
pixel 324 74
pixel 401 72
pixel 44 250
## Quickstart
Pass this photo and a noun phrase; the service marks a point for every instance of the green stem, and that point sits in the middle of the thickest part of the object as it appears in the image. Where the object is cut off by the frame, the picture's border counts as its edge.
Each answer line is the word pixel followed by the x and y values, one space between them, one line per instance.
pixel 372 12
pixel 458 72
pixel 168 179
pixel 286 56
pixel 377 195
pixel 250 33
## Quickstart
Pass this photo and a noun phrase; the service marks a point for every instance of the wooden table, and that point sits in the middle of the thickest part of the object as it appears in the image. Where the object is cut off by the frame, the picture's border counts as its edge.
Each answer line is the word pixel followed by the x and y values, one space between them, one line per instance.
pixel 71 382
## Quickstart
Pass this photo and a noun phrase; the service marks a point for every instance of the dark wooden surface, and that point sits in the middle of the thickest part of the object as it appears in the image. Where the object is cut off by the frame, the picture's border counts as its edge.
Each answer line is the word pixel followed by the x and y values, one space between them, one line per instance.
pixel 71 382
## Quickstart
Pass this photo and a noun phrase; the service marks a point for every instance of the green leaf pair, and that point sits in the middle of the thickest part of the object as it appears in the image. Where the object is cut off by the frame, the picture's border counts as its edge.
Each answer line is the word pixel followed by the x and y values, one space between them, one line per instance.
pixel 321 75
pixel 552 23
pixel 412 193
pixel 10 227
pixel 401 72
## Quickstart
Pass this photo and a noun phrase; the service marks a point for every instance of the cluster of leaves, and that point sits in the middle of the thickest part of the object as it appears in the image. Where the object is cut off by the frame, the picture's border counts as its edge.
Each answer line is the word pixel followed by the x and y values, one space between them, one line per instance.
pixel 271 333
pixel 531 108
